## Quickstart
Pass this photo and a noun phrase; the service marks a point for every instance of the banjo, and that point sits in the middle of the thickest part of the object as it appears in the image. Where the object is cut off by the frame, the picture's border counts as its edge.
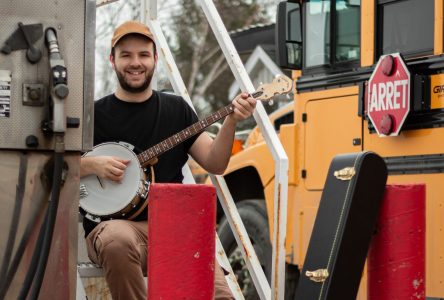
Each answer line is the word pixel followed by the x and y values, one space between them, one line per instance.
pixel 103 199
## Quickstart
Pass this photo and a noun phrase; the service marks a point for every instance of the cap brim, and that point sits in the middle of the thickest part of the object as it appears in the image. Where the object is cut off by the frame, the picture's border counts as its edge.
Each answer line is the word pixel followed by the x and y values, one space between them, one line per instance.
pixel 125 34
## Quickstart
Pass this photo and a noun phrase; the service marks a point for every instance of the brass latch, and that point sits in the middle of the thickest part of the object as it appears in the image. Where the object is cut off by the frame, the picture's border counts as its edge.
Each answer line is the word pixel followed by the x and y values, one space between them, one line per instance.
pixel 318 275
pixel 345 174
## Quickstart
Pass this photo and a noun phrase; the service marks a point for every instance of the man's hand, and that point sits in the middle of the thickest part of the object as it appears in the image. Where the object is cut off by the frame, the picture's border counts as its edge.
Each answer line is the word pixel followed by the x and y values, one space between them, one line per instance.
pixel 213 155
pixel 244 106
pixel 109 167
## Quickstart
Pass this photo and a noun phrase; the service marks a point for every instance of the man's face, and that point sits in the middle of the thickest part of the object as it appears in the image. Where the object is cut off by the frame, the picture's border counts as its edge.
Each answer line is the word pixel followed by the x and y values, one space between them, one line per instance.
pixel 134 61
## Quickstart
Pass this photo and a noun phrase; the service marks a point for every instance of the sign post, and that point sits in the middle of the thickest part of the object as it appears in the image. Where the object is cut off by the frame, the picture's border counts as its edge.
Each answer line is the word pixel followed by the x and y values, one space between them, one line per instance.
pixel 388 101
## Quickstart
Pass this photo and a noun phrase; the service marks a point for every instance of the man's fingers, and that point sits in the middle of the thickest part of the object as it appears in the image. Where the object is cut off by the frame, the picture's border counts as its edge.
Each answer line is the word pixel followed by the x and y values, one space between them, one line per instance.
pixel 122 160
pixel 115 174
pixel 252 101
pixel 112 170
pixel 243 106
pixel 241 110
pixel 117 171
pixel 120 165
pixel 244 95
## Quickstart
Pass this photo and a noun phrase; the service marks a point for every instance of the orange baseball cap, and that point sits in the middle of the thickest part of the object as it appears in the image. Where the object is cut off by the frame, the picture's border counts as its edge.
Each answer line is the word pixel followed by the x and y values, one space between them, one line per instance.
pixel 128 28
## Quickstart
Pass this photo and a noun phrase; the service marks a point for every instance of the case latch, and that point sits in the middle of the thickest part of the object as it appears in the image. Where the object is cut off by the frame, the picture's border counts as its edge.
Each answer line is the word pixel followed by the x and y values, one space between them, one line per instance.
pixel 318 275
pixel 345 174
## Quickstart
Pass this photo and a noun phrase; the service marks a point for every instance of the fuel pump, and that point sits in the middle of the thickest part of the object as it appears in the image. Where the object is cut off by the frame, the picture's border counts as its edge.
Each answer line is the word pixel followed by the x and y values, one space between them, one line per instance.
pixel 46 118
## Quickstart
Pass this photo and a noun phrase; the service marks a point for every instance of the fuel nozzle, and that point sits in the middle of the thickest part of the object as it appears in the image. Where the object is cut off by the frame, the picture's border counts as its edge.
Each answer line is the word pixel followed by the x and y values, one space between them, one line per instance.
pixel 59 82
pixel 57 64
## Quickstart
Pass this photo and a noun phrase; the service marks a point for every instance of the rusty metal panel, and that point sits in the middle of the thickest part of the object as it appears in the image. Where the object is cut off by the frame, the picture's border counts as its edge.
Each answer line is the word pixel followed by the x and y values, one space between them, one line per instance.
pixel 60 275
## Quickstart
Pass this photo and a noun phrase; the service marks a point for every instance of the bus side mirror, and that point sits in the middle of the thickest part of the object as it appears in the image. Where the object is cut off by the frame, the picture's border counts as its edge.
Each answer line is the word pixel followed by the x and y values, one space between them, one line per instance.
pixel 289 35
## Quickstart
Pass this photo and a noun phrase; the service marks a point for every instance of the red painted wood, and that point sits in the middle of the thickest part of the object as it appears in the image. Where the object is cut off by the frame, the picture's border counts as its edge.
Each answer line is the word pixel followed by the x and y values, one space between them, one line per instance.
pixel 181 241
pixel 396 262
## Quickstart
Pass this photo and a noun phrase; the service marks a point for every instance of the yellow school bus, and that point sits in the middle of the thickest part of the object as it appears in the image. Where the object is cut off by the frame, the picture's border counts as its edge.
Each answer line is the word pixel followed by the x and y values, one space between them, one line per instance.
pixel 333 48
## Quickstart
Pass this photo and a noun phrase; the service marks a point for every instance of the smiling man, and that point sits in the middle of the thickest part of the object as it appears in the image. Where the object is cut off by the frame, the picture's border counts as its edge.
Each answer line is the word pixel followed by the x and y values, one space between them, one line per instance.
pixel 139 116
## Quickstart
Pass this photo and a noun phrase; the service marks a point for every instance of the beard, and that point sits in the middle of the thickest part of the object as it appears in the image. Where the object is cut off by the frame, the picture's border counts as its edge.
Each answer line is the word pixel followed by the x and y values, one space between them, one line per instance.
pixel 134 88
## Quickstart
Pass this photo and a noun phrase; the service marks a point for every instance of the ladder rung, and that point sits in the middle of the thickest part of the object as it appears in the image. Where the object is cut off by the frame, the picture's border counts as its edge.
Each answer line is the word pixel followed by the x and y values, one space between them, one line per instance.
pixel 89 269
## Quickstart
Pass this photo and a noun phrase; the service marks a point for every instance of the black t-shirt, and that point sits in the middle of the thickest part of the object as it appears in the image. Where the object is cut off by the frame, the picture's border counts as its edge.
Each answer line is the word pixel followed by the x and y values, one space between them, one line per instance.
pixel 144 125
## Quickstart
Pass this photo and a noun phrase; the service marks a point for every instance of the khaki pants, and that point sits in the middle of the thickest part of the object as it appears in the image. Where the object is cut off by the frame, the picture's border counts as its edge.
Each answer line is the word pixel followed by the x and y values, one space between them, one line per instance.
pixel 120 248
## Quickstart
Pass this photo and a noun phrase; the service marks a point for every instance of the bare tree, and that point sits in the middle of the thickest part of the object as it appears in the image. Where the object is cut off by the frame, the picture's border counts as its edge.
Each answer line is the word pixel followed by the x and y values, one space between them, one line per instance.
pixel 199 57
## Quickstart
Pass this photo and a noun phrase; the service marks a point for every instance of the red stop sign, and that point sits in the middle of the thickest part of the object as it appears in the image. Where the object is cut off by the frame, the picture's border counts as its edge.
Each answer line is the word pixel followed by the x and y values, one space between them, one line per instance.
pixel 388 101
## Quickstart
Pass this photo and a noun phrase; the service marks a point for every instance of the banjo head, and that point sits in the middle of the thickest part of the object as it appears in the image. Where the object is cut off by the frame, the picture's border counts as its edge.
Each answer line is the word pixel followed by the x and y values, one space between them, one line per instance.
pixel 104 197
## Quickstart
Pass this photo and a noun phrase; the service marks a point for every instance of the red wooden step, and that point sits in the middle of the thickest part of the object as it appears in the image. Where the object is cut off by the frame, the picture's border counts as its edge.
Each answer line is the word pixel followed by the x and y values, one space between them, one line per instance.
pixel 181 241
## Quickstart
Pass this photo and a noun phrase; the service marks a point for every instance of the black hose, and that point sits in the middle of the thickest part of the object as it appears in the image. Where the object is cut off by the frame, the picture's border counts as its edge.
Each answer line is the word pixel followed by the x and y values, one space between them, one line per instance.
pixel 20 250
pixel 34 260
pixel 50 224
pixel 19 194
pixel 40 256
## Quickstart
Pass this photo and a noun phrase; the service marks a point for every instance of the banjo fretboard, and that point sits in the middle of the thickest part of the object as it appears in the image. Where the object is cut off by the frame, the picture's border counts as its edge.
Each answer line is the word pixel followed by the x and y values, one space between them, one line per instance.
pixel 187 133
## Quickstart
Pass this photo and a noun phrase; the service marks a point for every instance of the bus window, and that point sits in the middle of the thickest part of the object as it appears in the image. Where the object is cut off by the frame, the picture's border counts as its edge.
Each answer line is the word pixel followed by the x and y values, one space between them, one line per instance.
pixel 317 33
pixel 405 26
pixel 332 33
pixel 347 30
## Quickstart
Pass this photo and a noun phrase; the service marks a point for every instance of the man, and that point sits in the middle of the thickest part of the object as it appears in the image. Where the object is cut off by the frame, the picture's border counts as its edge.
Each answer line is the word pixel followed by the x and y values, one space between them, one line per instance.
pixel 142 117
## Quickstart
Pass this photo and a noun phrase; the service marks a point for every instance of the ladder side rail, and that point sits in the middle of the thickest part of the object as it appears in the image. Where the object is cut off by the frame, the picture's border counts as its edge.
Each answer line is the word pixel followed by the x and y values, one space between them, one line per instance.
pixel 273 142
pixel 80 289
pixel 251 63
pixel 163 50
pixel 242 238
pixel 100 3
pixel 222 259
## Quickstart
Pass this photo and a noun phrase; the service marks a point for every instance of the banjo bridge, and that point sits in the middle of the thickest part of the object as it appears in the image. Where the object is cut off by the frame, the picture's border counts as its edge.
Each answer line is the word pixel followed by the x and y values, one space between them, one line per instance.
pixel 100 182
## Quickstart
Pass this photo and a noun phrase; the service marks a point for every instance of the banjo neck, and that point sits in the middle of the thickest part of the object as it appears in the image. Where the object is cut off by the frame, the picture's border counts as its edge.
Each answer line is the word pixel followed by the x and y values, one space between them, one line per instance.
pixel 146 156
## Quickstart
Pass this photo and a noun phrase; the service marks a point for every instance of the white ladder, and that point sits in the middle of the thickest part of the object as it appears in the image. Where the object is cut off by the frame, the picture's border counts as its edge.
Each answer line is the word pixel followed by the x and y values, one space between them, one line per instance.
pixel 149 17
